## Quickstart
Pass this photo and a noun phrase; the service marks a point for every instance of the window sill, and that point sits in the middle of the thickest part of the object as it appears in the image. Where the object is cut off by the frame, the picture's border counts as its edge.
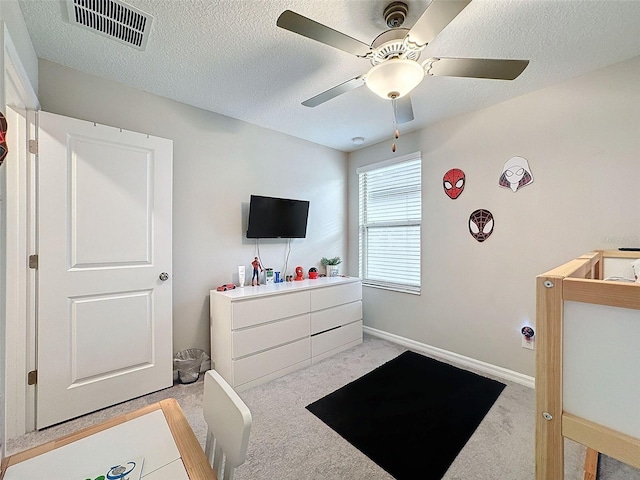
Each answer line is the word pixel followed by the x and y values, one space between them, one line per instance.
pixel 393 288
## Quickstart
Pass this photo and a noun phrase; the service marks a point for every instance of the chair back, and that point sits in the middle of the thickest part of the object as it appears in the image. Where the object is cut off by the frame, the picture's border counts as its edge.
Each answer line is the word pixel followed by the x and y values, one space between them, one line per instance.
pixel 228 425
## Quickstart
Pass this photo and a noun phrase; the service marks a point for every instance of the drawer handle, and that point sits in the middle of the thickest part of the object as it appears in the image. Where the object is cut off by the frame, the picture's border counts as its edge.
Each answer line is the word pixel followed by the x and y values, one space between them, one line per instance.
pixel 325 331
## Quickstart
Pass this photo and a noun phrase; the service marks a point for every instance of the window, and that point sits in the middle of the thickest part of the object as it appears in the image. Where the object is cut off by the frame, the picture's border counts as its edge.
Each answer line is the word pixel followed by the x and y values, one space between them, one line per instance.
pixel 389 223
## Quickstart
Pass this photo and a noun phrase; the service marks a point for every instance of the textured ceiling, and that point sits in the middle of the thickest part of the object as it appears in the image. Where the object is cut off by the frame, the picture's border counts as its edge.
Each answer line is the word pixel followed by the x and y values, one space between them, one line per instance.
pixel 228 56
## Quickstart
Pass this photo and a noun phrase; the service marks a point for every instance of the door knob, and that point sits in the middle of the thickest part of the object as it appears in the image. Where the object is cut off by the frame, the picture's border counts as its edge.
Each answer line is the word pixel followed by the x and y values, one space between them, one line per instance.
pixel 164 276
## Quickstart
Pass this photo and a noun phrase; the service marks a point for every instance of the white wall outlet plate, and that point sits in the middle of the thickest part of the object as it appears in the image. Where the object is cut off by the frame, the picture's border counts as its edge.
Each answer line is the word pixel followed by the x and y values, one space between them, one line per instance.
pixel 528 342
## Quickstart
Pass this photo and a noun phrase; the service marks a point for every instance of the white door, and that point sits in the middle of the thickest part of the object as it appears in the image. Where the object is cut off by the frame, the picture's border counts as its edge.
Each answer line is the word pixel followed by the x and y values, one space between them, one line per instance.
pixel 104 325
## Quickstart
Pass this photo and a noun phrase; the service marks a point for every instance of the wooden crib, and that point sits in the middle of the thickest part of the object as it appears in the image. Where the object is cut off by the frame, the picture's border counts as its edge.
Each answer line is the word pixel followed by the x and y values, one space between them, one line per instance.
pixel 588 361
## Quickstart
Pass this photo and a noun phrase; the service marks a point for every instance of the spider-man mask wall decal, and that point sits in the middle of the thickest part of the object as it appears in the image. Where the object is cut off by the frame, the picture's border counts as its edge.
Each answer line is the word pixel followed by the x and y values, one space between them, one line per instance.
pixel 453 182
pixel 481 224
pixel 3 138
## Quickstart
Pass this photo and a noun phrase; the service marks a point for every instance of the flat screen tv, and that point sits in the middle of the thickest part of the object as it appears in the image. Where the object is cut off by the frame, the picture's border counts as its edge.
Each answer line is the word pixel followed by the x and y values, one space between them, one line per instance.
pixel 271 217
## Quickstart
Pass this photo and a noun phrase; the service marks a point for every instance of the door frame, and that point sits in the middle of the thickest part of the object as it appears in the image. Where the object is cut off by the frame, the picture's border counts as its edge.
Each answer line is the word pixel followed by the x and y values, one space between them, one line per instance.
pixel 20 291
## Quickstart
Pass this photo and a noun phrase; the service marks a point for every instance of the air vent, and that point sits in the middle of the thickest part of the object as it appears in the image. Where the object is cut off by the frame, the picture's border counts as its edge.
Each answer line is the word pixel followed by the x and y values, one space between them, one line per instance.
pixel 113 19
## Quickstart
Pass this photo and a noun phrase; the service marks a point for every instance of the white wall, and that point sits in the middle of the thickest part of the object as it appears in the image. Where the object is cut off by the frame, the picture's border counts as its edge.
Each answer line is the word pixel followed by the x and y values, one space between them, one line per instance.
pixel 582 141
pixel 14 35
pixel 11 15
pixel 218 163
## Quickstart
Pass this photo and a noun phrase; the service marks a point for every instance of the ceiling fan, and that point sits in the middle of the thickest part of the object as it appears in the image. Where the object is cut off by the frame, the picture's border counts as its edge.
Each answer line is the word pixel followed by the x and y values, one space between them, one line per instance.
pixel 394 54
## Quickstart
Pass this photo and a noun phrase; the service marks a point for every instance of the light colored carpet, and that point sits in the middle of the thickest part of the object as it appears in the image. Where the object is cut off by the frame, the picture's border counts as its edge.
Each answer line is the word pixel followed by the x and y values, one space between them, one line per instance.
pixel 289 443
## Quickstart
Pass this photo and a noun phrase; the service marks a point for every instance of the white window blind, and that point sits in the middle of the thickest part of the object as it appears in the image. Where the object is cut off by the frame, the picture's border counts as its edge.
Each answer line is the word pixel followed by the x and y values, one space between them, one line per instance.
pixel 389 221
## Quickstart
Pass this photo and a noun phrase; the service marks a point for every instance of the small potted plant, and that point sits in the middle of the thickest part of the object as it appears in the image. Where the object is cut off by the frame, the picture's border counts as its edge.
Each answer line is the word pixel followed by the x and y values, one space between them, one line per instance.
pixel 331 265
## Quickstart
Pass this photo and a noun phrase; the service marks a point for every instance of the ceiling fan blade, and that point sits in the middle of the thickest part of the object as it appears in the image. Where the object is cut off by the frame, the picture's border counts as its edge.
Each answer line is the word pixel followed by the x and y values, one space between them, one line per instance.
pixel 435 18
pixel 306 27
pixel 334 92
pixel 476 68
pixel 404 110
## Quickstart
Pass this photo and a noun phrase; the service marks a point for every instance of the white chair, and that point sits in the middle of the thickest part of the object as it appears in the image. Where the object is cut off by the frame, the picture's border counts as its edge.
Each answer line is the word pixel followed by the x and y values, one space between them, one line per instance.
pixel 228 425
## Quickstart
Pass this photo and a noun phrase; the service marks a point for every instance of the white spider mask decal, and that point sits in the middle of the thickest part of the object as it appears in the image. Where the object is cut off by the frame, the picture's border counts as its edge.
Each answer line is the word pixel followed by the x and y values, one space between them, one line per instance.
pixel 515 174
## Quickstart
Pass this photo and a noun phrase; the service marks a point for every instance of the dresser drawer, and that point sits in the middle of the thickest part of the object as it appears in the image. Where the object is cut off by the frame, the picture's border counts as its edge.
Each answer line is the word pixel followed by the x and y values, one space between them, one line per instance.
pixel 337 295
pixel 336 316
pixel 246 313
pixel 262 337
pixel 324 342
pixel 261 364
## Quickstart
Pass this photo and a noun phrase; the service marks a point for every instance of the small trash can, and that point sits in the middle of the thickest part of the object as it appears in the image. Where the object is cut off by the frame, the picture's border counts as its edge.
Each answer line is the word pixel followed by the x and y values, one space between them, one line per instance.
pixel 188 363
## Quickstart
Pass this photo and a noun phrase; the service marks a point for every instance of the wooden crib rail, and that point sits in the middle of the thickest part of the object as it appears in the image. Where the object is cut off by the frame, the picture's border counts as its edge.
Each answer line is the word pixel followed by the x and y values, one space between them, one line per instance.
pixel 613 294
pixel 602 439
pixel 578 280
pixel 586 266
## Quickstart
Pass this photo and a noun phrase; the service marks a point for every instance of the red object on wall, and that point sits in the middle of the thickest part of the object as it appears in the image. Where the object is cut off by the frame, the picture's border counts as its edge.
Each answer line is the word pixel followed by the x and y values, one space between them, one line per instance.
pixel 453 183
pixel 3 141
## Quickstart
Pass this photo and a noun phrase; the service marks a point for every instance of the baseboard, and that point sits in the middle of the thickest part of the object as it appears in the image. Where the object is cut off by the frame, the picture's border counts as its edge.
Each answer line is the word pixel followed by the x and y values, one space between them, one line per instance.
pixel 454 358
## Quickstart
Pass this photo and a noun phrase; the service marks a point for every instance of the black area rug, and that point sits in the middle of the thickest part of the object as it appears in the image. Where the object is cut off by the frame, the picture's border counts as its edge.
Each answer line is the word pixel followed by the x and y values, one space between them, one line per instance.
pixel 412 415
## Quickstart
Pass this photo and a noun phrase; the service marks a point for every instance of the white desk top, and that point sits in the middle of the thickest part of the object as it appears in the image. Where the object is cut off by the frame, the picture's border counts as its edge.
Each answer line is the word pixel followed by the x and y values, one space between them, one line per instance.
pixel 147 436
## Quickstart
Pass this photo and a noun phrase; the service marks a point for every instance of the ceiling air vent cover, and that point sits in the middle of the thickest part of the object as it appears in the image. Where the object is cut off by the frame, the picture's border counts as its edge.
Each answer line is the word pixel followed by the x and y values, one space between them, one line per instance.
pixel 113 19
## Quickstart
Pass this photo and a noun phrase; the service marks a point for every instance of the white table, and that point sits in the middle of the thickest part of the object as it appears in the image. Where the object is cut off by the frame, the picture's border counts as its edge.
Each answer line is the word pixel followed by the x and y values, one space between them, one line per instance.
pixel 159 433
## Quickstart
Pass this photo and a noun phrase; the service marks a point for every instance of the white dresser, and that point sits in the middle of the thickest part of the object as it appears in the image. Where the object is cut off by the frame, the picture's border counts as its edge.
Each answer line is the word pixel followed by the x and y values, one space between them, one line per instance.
pixel 261 333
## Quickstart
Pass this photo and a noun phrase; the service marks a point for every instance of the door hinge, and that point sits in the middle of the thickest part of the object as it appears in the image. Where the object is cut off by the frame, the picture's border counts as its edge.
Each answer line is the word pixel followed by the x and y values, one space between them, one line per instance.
pixel 33 262
pixel 33 147
pixel 32 377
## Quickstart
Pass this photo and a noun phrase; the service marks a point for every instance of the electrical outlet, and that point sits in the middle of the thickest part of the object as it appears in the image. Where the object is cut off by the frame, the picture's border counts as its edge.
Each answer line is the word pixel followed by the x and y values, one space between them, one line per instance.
pixel 528 343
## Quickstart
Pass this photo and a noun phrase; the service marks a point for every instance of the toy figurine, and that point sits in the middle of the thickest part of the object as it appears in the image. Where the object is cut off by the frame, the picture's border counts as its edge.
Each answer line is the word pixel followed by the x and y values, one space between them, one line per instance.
pixel 299 274
pixel 256 265
pixel 636 269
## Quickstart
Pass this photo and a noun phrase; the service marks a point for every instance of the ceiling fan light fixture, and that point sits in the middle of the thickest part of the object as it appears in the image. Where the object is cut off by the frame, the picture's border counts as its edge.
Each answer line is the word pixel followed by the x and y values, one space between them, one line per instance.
pixel 394 78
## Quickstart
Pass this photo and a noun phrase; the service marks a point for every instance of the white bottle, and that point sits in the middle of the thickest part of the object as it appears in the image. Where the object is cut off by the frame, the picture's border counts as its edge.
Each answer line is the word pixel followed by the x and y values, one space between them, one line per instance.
pixel 241 278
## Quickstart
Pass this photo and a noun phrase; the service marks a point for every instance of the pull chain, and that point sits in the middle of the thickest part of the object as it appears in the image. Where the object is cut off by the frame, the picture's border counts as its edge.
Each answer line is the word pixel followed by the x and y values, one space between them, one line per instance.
pixel 394 105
